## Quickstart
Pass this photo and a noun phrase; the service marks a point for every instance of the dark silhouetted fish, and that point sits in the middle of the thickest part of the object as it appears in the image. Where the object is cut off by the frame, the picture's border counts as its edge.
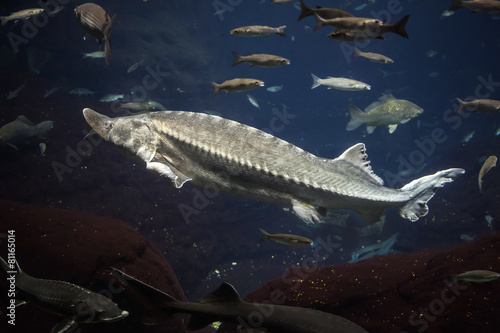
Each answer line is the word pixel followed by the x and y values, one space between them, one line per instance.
pixel 76 304
pixel 96 23
pixel 325 13
pixel 224 304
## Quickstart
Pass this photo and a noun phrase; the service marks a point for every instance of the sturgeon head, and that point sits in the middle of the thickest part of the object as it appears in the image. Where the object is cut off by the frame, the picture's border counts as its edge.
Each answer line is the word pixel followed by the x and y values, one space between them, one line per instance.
pixel 134 135
pixel 97 308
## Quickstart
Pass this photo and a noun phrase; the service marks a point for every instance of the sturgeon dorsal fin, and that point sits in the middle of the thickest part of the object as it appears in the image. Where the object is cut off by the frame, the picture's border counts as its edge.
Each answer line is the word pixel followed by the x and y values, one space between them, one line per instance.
pixel 225 293
pixel 357 156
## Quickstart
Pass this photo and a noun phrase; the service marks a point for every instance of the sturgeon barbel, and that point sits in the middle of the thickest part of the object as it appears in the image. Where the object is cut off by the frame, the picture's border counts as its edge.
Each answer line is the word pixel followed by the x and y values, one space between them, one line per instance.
pixel 232 157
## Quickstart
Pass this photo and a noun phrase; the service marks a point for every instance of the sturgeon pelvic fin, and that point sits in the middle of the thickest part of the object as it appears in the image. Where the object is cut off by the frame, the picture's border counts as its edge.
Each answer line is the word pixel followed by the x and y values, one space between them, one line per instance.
pixel 423 190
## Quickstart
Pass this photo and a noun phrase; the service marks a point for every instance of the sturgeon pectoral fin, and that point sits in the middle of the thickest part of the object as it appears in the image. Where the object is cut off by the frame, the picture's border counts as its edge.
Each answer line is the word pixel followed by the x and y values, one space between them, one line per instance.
pixel 392 128
pixel 63 325
pixel 307 212
pixel 178 178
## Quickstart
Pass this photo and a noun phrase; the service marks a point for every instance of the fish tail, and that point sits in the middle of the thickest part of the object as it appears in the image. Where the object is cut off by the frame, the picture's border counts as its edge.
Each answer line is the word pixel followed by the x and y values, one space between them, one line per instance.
pixel 400 27
pixel 281 31
pixel 305 11
pixel 356 120
pixel 357 52
pixel 319 22
pixel 422 190
pixel 456 4
pixel 316 82
pixel 461 105
pixel 216 89
pixel 264 236
pixel 237 59
pixel 43 127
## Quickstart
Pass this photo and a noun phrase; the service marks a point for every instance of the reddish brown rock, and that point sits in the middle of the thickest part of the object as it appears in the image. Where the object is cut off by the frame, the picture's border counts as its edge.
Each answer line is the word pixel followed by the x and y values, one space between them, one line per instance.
pixel 80 248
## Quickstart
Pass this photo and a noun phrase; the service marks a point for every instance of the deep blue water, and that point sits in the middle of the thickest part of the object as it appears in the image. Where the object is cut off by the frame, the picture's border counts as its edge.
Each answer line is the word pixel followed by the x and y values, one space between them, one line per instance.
pixel 444 58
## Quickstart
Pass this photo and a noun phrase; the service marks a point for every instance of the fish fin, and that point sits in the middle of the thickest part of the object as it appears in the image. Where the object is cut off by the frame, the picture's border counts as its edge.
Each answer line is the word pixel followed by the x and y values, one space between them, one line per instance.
pixel 456 4
pixel 370 129
pixel 422 190
pixel 461 105
pixel 43 127
pixel 305 11
pixel 315 81
pixel 393 127
pixel 357 155
pixel 319 22
pixel 4 20
pixel 357 52
pixel 400 27
pixel 164 169
pixel 63 325
pixel 216 89
pixel 307 212
pixel 225 293
pixel 281 31
pixel 264 235
pixel 237 59
pixel 355 121
pixel 25 120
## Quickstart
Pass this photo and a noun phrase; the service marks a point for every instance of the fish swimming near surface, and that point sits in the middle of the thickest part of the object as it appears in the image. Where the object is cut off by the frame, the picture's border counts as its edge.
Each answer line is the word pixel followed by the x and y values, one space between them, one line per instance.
pixel 374 57
pixel 340 83
pixel 76 304
pixel 224 304
pixel 387 111
pixel 477 276
pixel 258 30
pixel 479 105
pixel 485 6
pixel 96 22
pixel 325 13
pixel 488 164
pixel 286 239
pixel 236 85
pixel 260 60
pixel 21 15
pixel 235 158
pixel 21 129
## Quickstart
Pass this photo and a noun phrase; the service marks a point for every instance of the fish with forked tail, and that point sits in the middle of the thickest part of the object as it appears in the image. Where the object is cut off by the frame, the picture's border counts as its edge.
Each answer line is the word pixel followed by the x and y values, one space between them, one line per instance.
pixel 236 85
pixel 286 239
pixel 224 304
pixel 96 23
pixel 235 158
pixel 21 129
pixel 479 105
pixel 258 30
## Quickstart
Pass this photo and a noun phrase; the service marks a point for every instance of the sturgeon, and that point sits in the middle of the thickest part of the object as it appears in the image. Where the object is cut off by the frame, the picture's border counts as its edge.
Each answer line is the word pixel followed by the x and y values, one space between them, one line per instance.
pixel 75 303
pixel 224 304
pixel 215 152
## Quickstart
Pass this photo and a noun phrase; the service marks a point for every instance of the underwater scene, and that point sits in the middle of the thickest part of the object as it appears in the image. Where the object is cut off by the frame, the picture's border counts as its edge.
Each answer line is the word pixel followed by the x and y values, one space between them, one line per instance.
pixel 272 166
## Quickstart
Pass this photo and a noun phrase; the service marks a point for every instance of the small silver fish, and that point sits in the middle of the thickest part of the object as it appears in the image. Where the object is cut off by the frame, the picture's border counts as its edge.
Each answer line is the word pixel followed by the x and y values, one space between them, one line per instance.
pixel 135 66
pixel 111 97
pixel 81 92
pixel 488 164
pixel 286 239
pixel 21 15
pixel 253 101
pixel 374 57
pixel 340 83
pixel 260 60
pixel 258 30
pixel 274 89
pixel 478 276
pixel 468 137
pixel 94 55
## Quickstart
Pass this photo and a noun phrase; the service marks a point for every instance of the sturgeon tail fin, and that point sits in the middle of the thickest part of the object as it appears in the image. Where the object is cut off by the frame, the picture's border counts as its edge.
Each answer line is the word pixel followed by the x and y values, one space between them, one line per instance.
pixel 423 190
